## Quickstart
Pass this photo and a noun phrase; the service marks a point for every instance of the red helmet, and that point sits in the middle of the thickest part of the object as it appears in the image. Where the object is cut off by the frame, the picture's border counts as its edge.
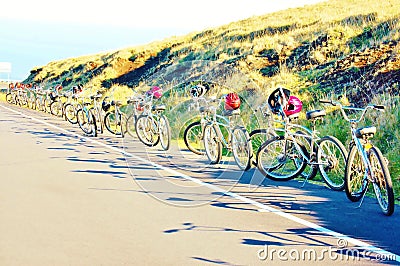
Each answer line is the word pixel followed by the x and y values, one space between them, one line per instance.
pixel 58 87
pixel 232 101
pixel 294 106
pixel 155 91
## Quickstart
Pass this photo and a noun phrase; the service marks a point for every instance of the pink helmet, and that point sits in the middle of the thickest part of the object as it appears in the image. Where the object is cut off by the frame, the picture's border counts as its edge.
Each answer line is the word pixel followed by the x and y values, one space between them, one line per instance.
pixel 294 106
pixel 155 91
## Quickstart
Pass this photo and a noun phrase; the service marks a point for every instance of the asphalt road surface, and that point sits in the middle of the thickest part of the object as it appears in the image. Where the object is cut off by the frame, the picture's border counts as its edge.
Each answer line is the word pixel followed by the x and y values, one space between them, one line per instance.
pixel 68 199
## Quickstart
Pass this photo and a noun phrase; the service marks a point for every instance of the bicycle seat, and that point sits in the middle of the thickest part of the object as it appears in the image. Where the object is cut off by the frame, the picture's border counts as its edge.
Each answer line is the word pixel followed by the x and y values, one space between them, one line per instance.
pixel 293 116
pixel 130 101
pixel 231 112
pixel 365 131
pixel 117 103
pixel 205 109
pixel 315 114
pixel 158 107
pixel 98 96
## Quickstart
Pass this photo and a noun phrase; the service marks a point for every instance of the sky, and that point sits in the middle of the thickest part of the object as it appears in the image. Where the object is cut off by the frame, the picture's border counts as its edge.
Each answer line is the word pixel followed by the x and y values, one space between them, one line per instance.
pixel 33 33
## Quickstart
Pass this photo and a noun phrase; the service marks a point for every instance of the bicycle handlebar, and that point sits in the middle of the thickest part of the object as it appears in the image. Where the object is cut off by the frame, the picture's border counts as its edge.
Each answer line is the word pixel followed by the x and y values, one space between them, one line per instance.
pixel 363 110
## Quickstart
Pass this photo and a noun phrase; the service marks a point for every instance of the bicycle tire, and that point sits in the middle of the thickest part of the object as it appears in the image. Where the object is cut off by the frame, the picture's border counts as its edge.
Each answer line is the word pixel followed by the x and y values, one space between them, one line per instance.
pixel 56 109
pixel 9 98
pixel 257 138
pixel 241 148
pixel 193 138
pixel 164 132
pixel 281 167
pixel 111 123
pixel 130 125
pixel 383 182
pixel 212 144
pixel 331 149
pixel 70 113
pixel 86 122
pixel 355 181
pixel 146 132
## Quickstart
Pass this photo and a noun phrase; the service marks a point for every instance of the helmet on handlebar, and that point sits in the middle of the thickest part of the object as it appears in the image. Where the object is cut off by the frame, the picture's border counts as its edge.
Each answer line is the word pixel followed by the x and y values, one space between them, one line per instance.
pixel 278 98
pixel 293 106
pixel 105 105
pixel 232 101
pixel 198 91
pixel 58 87
pixel 155 91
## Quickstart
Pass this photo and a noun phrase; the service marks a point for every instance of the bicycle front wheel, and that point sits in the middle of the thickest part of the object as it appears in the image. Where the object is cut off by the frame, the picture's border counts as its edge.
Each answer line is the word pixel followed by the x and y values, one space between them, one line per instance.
pixel 56 108
pixel 86 122
pixel 212 144
pixel 164 132
pixel 146 129
pixel 331 158
pixel 382 181
pixel 70 113
pixel 241 148
pixel 355 180
pixel 193 138
pixel 113 123
pixel 281 159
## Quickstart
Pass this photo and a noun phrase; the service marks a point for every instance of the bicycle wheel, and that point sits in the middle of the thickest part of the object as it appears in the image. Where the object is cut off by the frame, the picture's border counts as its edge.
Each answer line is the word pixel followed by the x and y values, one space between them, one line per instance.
pixel 212 145
pixel 146 129
pixel 56 108
pixel 47 103
pixel 113 123
pixel 311 170
pixel 86 122
pixel 257 138
pixel 70 113
pixel 9 98
pixel 193 138
pixel 355 180
pixel 280 159
pixel 383 183
pixel 331 158
pixel 130 125
pixel 164 132
pixel 241 148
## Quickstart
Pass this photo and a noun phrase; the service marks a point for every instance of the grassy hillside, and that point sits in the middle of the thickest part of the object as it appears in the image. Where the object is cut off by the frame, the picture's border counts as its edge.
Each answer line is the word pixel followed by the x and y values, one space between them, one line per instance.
pixel 339 47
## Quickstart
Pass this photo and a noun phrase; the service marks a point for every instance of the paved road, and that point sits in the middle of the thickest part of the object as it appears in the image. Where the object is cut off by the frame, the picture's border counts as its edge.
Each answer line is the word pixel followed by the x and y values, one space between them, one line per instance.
pixel 70 200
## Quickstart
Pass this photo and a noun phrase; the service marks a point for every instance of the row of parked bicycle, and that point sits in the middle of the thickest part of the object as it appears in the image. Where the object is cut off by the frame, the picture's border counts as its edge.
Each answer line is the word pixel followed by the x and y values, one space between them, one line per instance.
pixel 283 150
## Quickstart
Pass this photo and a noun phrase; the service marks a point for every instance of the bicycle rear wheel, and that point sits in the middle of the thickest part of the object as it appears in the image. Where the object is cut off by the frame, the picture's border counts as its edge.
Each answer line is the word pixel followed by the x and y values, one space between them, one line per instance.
pixel 56 108
pixel 241 148
pixel 193 138
pixel 355 180
pixel 212 145
pixel 146 129
pixel 281 159
pixel 383 183
pixel 331 158
pixel 130 125
pixel 257 138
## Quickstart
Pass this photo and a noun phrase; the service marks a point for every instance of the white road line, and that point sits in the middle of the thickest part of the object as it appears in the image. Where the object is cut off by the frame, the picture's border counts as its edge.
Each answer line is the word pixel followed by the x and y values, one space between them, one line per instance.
pixel 356 242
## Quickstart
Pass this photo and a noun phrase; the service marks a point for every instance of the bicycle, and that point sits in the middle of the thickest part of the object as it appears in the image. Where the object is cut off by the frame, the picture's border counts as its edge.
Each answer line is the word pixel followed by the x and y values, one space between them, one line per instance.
pixel 365 164
pixel 237 140
pixel 285 156
pixel 114 119
pixel 90 116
